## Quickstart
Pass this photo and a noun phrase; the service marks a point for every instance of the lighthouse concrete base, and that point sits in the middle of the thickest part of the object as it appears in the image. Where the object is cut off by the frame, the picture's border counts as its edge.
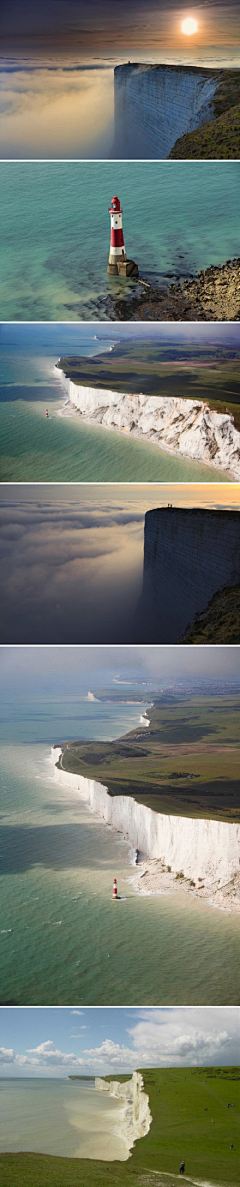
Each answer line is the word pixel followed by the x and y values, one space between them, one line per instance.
pixel 123 268
pixel 127 268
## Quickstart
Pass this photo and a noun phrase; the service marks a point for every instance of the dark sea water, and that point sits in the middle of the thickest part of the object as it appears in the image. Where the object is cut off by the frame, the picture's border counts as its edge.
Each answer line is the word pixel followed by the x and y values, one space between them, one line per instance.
pixel 65 449
pixel 62 939
pixel 179 217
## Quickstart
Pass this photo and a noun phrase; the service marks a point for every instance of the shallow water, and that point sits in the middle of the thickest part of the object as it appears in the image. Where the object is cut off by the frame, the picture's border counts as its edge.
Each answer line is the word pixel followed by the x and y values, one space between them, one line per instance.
pixel 68 1119
pixel 63 940
pixel 56 236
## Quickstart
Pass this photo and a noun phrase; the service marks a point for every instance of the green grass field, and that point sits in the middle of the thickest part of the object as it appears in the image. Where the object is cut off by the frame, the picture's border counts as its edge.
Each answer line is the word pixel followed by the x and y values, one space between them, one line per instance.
pixel 210 374
pixel 186 763
pixel 191 1121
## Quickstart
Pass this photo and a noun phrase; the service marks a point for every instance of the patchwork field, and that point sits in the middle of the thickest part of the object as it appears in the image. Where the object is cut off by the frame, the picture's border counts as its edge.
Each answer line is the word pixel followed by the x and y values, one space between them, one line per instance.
pixel 185 764
pixel 195 1115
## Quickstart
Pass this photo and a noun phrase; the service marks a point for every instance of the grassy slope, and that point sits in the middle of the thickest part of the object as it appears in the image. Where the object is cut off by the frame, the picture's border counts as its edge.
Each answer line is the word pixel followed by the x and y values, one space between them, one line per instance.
pixel 144 764
pixel 220 138
pixel 220 622
pixel 209 374
pixel 180 1129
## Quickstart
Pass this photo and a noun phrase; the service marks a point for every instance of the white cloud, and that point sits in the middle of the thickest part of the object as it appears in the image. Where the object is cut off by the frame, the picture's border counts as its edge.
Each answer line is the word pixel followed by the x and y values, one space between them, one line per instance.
pixel 78 1012
pixel 7 1055
pixel 185 1037
pixel 110 1055
pixel 49 1054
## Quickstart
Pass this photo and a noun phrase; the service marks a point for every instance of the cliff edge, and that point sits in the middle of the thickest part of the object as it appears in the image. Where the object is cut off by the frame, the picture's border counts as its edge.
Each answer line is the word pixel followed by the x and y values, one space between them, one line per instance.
pixel 189 555
pixel 158 105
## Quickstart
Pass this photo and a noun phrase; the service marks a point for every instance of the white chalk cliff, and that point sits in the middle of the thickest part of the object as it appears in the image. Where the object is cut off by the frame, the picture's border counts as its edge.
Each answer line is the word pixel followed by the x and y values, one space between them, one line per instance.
pixel 187 428
pixel 201 849
pixel 136 1117
pixel 154 105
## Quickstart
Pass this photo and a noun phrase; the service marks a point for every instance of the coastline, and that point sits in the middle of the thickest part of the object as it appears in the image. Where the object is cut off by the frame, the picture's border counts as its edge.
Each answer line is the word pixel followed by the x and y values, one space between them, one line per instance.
pixel 172 411
pixel 192 842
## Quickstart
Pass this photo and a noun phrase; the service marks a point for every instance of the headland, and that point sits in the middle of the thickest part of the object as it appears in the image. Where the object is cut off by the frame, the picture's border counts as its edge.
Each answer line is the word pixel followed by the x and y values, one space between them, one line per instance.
pixel 172 790
pixel 176 111
pixel 189 406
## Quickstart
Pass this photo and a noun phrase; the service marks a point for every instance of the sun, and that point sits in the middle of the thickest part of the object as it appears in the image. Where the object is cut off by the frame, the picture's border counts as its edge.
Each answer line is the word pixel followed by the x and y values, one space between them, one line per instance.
pixel 189 26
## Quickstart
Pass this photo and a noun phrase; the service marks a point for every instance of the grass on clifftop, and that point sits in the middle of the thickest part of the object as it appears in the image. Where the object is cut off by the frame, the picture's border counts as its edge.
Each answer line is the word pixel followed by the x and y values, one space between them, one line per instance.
pixel 186 763
pixel 191 1121
pixel 219 622
pixel 220 138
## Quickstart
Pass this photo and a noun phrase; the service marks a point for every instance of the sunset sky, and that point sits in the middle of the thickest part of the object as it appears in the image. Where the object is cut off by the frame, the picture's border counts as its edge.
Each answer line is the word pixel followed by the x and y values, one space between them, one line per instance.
pixel 104 30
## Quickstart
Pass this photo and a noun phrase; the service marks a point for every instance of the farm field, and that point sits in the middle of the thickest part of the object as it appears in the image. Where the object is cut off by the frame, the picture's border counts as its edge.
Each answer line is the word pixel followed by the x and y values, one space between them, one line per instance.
pixel 186 763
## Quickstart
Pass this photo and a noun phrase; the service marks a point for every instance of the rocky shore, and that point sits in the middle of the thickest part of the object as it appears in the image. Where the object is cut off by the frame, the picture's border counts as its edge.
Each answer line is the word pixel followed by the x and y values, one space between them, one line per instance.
pixel 214 295
pixel 154 878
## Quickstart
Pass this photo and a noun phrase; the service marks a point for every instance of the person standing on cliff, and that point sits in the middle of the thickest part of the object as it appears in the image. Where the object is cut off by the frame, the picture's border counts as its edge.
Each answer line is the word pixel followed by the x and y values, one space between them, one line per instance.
pixel 182 1168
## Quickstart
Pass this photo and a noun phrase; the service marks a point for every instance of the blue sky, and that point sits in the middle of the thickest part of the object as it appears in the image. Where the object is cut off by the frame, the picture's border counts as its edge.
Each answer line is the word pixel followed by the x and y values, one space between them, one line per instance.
pixel 42 1041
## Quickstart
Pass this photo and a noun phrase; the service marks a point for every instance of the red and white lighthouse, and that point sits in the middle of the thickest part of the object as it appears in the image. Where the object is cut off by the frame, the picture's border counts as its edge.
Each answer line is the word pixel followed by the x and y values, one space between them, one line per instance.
pixel 114 894
pixel 118 263
pixel 117 247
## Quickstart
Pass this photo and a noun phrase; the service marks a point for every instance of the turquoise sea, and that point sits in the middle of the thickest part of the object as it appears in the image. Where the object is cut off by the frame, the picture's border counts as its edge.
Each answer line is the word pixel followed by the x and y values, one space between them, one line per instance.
pixel 178 217
pixel 62 1117
pixel 63 449
pixel 62 939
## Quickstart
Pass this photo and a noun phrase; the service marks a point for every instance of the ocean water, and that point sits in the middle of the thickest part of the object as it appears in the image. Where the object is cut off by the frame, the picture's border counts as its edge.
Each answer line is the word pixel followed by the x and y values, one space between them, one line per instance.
pixel 63 940
pixel 63 449
pixel 179 217
pixel 62 1117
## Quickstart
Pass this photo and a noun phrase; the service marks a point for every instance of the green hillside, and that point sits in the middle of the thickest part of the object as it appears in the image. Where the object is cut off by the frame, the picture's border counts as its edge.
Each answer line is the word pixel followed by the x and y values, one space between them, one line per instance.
pixel 186 763
pixel 220 139
pixel 195 1117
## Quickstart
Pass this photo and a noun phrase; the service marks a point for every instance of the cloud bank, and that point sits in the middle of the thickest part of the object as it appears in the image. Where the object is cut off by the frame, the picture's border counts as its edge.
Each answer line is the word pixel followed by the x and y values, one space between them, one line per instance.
pixel 158 1038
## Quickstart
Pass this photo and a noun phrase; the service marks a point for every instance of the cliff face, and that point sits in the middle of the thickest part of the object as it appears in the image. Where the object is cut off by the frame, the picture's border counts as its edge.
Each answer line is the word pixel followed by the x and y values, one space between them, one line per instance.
pixel 185 427
pixel 136 1118
pixel 204 849
pixel 154 105
pixel 188 556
